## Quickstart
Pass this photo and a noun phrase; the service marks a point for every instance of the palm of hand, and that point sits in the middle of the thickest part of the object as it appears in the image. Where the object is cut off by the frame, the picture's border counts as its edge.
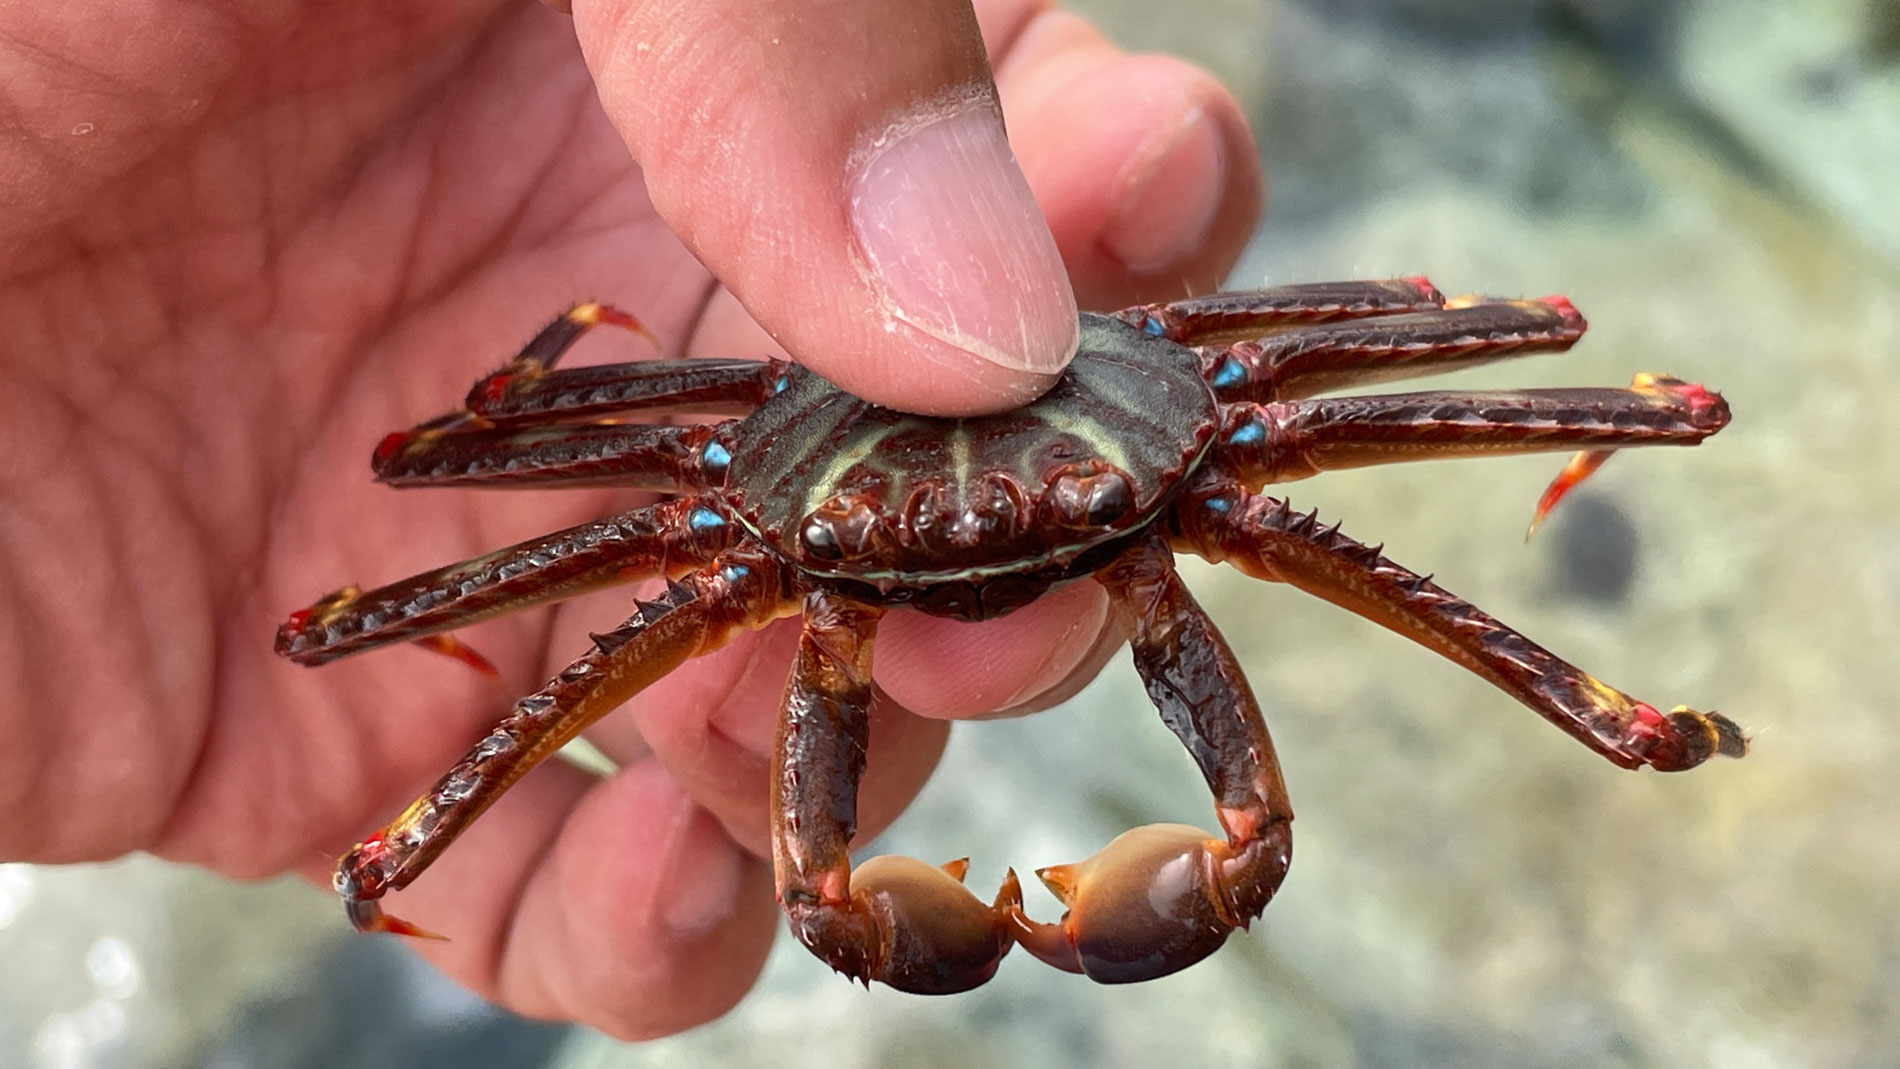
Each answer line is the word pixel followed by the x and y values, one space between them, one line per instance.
pixel 249 250
pixel 210 348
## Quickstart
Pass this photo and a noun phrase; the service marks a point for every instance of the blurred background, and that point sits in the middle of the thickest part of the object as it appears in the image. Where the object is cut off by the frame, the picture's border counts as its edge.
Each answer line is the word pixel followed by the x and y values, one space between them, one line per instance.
pixel 1717 185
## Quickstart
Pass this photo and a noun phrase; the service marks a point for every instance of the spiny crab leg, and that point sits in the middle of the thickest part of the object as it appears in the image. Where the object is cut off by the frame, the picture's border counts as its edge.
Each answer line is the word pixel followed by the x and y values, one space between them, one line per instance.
pixel 668 538
pixel 697 615
pixel 528 388
pixel 1229 317
pixel 1287 440
pixel 1261 536
pixel 459 450
pixel 1160 898
pixel 893 919
pixel 1465 333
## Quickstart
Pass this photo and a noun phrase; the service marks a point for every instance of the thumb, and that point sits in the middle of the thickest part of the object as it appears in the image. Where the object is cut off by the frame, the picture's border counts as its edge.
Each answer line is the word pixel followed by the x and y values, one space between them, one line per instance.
pixel 841 165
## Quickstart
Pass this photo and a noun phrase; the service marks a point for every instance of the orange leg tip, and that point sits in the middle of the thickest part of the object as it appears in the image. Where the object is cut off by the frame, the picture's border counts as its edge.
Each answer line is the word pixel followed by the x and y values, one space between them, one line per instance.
pixel 368 916
pixel 450 646
pixel 956 868
pixel 1581 467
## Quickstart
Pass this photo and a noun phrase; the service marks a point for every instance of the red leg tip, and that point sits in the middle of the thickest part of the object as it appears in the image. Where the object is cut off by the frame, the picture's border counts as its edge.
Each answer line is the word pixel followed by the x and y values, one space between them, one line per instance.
pixel 1427 292
pixel 616 317
pixel 494 388
pixel 1573 319
pixel 1581 467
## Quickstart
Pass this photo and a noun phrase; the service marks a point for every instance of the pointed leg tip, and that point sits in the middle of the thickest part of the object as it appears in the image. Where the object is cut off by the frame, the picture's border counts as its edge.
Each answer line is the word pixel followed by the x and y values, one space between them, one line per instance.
pixel 454 648
pixel 368 916
pixel 1581 466
pixel 615 317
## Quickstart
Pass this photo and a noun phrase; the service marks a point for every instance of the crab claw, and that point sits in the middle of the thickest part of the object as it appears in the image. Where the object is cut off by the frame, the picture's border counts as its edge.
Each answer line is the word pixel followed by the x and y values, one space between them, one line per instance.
pixel 910 925
pixel 1154 901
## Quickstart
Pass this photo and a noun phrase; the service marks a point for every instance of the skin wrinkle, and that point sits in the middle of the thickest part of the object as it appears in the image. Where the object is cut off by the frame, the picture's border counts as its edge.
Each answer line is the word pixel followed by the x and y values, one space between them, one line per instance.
pixel 146 126
pixel 39 690
pixel 505 231
pixel 113 520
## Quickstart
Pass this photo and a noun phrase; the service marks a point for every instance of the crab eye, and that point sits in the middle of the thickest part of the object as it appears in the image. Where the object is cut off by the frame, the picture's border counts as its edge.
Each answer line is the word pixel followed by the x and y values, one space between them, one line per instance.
pixel 821 539
pixel 844 528
pixel 1108 499
pixel 1079 501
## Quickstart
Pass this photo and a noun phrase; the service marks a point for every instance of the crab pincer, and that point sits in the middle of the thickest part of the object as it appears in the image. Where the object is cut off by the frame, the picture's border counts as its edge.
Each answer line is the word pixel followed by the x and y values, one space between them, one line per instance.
pixel 907 924
pixel 1154 901
pixel 1160 898
pixel 892 919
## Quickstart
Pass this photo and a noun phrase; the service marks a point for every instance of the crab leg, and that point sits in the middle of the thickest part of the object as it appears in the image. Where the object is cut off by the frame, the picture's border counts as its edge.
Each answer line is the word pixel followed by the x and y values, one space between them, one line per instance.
pixel 461 450
pixel 528 388
pixel 894 919
pixel 668 538
pixel 1264 538
pixel 705 385
pixel 1160 898
pixel 1229 317
pixel 1287 440
pixel 1332 356
pixel 694 616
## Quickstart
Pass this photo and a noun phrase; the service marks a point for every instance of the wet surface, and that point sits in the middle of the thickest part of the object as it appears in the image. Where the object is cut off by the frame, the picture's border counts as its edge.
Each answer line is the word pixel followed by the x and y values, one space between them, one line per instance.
pixel 1711 181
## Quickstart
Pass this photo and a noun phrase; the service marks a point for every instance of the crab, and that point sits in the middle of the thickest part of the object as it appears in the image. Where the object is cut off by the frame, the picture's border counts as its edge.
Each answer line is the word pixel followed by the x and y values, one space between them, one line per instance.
pixel 1158 438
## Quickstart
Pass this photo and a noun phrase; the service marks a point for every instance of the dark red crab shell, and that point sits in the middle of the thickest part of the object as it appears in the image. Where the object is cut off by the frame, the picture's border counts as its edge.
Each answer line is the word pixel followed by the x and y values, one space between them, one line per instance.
pixel 847 490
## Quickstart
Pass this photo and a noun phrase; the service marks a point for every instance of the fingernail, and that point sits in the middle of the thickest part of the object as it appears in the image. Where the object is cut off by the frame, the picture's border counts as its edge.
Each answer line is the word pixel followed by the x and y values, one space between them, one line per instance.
pixel 1173 195
pixel 956 245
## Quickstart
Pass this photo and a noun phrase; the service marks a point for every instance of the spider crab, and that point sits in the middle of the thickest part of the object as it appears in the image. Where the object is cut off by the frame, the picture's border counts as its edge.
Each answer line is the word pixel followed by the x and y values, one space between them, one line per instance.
pixel 1157 439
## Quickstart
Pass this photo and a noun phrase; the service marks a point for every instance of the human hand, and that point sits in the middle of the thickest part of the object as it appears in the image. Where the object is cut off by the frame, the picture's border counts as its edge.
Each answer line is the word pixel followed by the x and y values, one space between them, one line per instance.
pixel 244 241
